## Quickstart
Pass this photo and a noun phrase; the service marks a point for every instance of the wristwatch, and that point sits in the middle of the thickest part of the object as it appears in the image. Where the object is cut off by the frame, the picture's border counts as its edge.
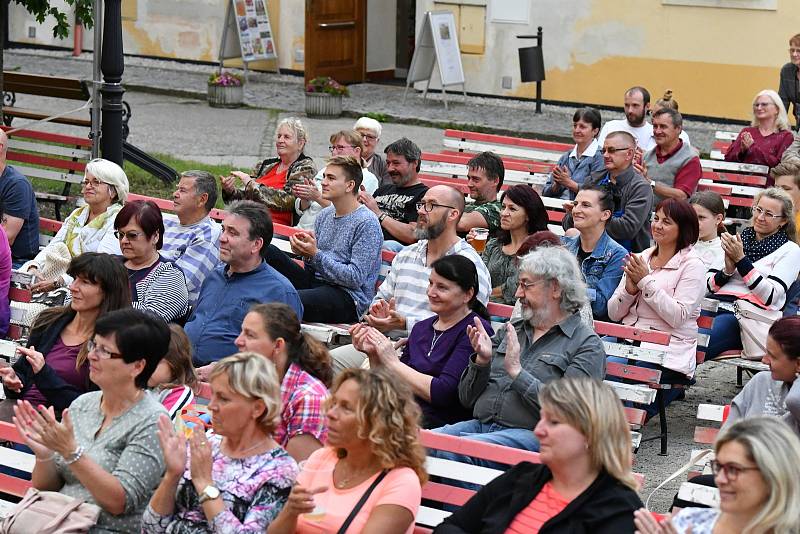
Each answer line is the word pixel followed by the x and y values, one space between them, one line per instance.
pixel 209 494
pixel 382 216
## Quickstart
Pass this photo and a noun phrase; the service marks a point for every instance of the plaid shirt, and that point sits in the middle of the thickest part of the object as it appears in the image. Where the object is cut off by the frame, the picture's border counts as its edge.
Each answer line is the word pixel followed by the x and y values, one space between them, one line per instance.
pixel 302 398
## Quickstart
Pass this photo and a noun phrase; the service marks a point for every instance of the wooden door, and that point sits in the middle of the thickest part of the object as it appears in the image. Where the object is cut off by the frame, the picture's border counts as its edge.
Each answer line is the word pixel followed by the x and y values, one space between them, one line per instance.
pixel 335 39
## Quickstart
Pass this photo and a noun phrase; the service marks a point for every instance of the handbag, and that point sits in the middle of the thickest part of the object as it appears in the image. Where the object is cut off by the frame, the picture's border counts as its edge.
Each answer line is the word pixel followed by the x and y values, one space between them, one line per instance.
pixel 50 512
pixel 359 504
pixel 754 324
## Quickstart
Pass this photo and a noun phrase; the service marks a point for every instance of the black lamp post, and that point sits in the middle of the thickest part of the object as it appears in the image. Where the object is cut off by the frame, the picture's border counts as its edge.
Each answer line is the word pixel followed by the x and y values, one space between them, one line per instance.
pixel 531 65
pixel 112 66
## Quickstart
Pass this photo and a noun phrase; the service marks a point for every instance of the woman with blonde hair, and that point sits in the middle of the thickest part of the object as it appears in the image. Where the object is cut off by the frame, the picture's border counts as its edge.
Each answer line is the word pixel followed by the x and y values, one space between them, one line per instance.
pixel 373 451
pixel 239 478
pixel 757 471
pixel 272 179
pixel 767 137
pixel 584 482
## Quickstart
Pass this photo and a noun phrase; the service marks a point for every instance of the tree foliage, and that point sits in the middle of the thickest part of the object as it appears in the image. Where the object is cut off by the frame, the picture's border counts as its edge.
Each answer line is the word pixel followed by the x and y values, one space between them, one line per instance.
pixel 41 9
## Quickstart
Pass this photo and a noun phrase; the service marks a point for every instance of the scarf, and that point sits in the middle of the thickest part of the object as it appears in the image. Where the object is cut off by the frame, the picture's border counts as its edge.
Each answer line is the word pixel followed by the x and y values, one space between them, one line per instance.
pixel 755 250
pixel 72 236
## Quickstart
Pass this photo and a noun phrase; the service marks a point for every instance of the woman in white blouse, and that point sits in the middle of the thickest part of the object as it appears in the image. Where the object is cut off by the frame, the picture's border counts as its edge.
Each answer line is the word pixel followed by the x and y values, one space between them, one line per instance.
pixel 90 228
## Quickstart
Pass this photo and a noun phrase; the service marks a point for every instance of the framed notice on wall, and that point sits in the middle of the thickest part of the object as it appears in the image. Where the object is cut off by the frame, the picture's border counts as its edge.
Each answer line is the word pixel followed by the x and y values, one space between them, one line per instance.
pixel 437 44
pixel 247 33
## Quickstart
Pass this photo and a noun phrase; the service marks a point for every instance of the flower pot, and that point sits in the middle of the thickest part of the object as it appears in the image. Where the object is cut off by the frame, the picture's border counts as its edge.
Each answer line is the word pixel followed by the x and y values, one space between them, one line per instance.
pixel 323 105
pixel 225 96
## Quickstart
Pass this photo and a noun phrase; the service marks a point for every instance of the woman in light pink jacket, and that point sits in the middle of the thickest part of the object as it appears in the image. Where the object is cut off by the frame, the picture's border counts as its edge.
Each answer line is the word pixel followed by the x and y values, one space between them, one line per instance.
pixel 661 289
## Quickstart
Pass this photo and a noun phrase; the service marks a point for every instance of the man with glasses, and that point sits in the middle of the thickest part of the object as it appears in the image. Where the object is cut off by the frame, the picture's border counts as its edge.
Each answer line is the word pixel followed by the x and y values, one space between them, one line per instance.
pixel 633 195
pixel 20 212
pixel 789 84
pixel 310 199
pixel 672 167
pixel 191 238
pixel 370 130
pixel 637 105
pixel 395 204
pixel 503 378
pixel 402 298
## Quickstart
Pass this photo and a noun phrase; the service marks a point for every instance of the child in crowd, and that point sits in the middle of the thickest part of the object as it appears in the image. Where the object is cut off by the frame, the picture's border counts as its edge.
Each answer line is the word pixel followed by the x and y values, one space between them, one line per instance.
pixel 174 380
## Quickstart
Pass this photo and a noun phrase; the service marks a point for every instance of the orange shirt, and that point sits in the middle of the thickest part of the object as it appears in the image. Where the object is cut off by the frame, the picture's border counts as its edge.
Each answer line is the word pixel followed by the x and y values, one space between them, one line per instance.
pixel 276 180
pixel 544 507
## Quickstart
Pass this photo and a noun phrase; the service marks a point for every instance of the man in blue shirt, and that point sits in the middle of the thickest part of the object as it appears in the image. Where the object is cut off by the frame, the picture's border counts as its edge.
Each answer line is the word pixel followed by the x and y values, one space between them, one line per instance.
pixel 243 279
pixel 21 221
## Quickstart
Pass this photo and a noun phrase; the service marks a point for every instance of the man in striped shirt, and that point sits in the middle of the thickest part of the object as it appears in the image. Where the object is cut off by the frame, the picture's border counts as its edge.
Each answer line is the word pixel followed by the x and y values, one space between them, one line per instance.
pixel 402 298
pixel 191 240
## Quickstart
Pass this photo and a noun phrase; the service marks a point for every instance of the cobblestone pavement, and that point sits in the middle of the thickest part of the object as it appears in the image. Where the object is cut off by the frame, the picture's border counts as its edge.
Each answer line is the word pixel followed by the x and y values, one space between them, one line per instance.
pixel 170 116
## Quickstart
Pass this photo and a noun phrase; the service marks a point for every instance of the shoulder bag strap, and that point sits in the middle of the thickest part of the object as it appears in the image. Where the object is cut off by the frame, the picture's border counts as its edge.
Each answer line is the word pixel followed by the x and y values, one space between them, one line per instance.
pixel 361 501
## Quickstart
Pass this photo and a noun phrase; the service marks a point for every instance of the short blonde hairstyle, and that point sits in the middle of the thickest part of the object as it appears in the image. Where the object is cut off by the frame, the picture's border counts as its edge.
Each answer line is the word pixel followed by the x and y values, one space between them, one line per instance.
pixel 786 169
pixel 775 449
pixel 592 408
pixel 782 122
pixel 254 377
pixel 295 126
pixel 388 418
pixel 776 193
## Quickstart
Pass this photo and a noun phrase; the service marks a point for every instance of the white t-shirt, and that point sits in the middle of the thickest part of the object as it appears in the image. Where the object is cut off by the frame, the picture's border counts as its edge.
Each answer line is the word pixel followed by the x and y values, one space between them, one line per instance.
pixel 643 134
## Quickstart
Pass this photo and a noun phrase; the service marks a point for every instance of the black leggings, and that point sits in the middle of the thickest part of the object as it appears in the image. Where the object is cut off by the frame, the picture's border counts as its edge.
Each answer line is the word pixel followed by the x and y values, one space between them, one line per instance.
pixel 322 302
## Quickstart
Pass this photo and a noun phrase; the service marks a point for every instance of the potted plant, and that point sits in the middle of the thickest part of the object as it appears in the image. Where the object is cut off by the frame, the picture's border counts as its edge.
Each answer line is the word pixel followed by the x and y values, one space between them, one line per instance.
pixel 225 90
pixel 324 97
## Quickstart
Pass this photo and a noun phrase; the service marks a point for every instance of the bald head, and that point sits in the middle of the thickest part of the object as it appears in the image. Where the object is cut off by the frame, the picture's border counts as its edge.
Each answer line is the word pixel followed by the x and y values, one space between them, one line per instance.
pixel 449 196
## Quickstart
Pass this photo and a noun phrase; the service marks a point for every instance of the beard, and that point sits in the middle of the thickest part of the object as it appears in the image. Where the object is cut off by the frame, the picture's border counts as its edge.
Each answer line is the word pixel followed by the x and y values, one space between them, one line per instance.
pixel 634 119
pixel 431 231
pixel 533 315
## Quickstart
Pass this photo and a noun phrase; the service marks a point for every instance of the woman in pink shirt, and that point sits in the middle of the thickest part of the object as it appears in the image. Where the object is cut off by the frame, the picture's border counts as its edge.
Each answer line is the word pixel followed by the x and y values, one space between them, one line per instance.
pixel 373 453
pixel 661 289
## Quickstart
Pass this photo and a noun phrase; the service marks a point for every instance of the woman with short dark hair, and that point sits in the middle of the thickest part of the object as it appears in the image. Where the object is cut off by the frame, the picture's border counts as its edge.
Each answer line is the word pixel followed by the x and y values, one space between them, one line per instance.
pixel 661 289
pixel 156 284
pixel 575 165
pixel 105 450
pixel 53 369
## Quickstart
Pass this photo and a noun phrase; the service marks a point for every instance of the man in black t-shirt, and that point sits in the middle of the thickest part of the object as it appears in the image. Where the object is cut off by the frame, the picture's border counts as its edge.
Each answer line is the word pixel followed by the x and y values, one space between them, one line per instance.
pixel 395 204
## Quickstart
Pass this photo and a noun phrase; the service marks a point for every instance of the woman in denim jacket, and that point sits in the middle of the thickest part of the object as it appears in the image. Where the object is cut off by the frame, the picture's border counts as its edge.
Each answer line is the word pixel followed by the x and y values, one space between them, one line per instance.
pixel 599 256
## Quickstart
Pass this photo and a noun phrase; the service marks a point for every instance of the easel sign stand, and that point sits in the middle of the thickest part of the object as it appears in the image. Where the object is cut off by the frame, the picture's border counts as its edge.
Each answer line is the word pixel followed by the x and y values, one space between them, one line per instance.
pixel 247 34
pixel 437 44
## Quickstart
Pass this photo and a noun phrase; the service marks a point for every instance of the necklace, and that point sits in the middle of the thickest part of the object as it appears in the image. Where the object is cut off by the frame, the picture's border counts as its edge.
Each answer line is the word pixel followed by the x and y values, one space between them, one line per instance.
pixel 436 337
pixel 342 484
pixel 250 448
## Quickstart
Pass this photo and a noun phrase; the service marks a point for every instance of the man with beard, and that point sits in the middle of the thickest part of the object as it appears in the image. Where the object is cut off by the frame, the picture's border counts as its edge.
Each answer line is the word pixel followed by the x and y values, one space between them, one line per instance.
pixel 637 104
pixel 672 167
pixel 395 204
pixel 502 381
pixel 402 298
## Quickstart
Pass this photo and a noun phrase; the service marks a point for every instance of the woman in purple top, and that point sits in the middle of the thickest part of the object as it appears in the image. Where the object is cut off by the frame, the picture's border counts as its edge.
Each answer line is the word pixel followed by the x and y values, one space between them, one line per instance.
pixel 5 279
pixel 437 350
pixel 53 369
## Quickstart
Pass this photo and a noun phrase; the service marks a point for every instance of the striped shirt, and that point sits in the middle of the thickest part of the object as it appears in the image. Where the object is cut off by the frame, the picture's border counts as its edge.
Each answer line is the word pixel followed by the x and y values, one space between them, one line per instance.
pixel 193 248
pixel 407 281
pixel 162 291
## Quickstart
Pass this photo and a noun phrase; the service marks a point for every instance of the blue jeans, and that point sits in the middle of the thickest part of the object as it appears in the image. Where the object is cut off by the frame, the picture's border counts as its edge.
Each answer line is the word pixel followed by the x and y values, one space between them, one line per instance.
pixel 518 438
pixel 392 245
pixel 724 334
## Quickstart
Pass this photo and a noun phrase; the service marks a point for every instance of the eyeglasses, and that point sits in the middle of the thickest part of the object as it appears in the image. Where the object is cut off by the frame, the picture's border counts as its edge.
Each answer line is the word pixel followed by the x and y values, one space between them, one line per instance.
pixel 523 285
pixel 368 137
pixel 104 354
pixel 339 147
pixel 759 211
pixel 762 105
pixel 94 183
pixel 613 150
pixel 732 471
pixel 430 206
pixel 132 236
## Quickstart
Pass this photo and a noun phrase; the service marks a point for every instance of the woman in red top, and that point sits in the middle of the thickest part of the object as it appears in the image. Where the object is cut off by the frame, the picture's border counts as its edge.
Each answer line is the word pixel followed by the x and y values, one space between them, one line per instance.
pixel 584 483
pixel 767 137
pixel 272 180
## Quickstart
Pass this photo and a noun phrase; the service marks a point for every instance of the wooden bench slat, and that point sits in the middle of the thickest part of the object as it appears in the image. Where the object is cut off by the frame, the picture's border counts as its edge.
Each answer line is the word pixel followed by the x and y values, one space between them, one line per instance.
pixel 635 353
pixel 553 146
pixel 627 332
pixel 633 392
pixel 50 137
pixel 699 494
pixel 30 115
pixel 34 172
pixel 69 152
pixel 42 85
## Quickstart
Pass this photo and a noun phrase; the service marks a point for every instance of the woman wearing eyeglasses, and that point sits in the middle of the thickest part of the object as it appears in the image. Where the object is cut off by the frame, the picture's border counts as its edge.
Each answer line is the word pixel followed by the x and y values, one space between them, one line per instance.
pixel 767 137
pixel 760 264
pixel 757 471
pixel 105 450
pixel 90 228
pixel 156 284
pixel 53 369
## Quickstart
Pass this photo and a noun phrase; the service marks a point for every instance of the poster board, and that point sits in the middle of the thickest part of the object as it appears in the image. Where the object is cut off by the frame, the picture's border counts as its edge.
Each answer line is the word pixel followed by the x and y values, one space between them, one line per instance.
pixel 437 44
pixel 247 33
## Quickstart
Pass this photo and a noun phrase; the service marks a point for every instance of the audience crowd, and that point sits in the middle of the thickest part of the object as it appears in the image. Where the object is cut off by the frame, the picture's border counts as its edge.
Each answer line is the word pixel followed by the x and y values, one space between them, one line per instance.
pixel 166 311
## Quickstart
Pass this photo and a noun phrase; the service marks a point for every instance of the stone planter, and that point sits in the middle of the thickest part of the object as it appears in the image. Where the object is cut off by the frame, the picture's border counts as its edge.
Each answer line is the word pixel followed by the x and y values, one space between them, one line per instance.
pixel 225 96
pixel 323 105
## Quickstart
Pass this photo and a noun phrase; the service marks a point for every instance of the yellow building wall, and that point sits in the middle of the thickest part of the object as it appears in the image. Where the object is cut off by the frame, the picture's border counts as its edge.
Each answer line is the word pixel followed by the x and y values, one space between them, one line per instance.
pixel 714 59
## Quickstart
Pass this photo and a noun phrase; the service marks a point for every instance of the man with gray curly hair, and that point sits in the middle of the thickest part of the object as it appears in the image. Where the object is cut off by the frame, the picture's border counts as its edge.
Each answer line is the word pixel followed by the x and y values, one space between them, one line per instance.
pixel 502 380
